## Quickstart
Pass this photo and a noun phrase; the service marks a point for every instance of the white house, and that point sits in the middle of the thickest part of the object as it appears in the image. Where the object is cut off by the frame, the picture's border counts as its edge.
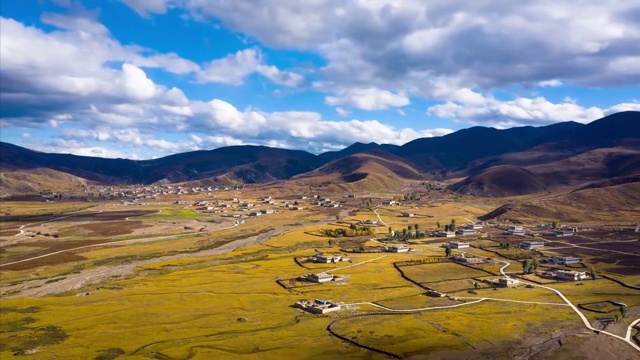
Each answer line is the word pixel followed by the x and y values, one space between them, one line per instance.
pixel 571 275
pixel 564 260
pixel 477 226
pixel 528 245
pixel 320 278
pixel 447 234
pixel 458 244
pixel 404 214
pixel 508 282
pixel 466 232
pixel 397 249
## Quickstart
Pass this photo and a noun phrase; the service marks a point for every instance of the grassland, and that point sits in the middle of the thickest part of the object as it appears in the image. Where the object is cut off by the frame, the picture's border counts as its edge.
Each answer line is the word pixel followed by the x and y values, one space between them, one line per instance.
pixel 204 303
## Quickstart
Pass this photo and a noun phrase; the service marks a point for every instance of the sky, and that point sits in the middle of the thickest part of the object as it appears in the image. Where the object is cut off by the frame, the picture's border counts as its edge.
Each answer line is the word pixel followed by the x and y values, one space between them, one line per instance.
pixel 142 79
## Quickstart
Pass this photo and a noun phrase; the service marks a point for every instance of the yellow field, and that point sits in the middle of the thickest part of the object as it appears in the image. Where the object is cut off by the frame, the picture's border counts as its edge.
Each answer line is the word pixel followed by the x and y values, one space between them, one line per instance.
pixel 229 305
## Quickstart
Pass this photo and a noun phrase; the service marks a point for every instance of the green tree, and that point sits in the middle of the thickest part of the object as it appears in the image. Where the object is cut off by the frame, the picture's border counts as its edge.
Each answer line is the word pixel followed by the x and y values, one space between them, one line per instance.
pixel 390 230
pixel 416 227
pixel 534 264
pixel 361 248
pixel 526 266
pixel 438 224
pixel 594 275
pixel 453 222
pixel 410 227
pixel 554 224
pixel 475 284
pixel 330 242
pixel 447 251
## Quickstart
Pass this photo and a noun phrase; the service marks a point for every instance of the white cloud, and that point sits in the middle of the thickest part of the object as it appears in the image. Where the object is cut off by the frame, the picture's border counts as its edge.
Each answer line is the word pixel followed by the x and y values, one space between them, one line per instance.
pixel 368 99
pixel 550 83
pixel 234 68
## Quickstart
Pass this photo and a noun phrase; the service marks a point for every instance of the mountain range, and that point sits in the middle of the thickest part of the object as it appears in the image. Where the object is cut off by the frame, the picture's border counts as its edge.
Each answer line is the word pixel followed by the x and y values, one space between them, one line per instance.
pixel 493 162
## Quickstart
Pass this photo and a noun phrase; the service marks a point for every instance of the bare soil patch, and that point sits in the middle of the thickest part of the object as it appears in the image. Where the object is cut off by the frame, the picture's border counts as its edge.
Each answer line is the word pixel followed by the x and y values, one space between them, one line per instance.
pixel 106 228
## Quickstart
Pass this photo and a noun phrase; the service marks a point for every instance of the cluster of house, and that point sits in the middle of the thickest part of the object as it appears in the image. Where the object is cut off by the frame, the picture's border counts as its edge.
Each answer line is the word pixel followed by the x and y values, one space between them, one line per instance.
pixel 633 229
pixel 567 231
pixel 326 259
pixel 464 231
pixel 324 202
pixel 318 306
pixel 515 230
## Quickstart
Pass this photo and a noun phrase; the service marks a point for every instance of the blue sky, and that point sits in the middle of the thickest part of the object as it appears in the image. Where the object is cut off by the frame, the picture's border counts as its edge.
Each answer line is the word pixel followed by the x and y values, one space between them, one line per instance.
pixel 147 78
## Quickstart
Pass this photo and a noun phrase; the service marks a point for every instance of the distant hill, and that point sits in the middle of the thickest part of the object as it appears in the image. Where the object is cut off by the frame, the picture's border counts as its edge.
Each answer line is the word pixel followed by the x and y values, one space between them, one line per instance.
pixel 34 181
pixel 564 154
pixel 244 164
pixel 371 170
pixel 500 181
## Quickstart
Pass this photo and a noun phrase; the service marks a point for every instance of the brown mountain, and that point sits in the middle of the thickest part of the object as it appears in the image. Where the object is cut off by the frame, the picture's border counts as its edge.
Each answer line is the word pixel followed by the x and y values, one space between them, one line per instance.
pixel 14 182
pixel 500 181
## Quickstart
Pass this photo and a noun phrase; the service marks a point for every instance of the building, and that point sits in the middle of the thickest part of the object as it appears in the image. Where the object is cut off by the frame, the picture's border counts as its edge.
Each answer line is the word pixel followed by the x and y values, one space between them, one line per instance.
pixel 255 213
pixel 466 232
pixel 351 196
pixel 508 282
pixel 529 245
pixel 563 232
pixel 571 275
pixel 434 293
pixel 317 306
pixel 267 211
pixel 321 258
pixel 296 208
pixel 397 249
pixel 389 203
pixel 404 214
pixel 477 226
pixel 458 244
pixel 515 230
pixel 447 234
pixel 633 229
pixel 247 205
pixel 467 260
pixel 565 260
pixel 319 278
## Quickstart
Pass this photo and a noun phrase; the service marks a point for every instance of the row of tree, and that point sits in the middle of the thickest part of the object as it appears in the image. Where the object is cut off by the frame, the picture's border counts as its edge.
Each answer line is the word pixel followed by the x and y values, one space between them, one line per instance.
pixel 352 231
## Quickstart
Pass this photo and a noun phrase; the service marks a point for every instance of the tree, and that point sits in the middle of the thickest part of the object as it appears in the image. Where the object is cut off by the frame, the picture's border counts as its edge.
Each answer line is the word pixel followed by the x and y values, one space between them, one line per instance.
pixel 475 284
pixel 330 242
pixel 390 230
pixel 361 248
pixel 438 224
pixel 526 266
pixel 554 224
pixel 410 227
pixel 452 227
pixel 453 222
pixel 447 250
pixel 594 275
pixel 416 227
pixel 534 264
pixel 338 217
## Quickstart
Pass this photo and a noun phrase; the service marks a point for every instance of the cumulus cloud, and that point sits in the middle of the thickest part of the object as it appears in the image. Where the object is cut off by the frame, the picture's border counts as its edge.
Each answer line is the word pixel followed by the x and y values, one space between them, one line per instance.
pixel 368 99
pixel 234 68
pixel 486 44
pixel 469 106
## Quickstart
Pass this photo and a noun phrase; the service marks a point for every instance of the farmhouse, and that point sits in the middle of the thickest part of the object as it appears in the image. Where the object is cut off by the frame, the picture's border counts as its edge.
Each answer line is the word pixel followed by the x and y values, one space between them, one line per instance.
pixel 267 211
pixel 508 282
pixel 397 249
pixel 467 260
pixel 321 258
pixel 564 260
pixel 389 203
pixel 404 214
pixel 528 245
pixel 255 213
pixel 446 234
pixel 563 232
pixel 317 306
pixel 515 230
pixel 319 278
pixel 458 244
pixel 466 232
pixel 296 208
pixel 435 293
pixel 571 275
pixel 477 226
pixel 247 205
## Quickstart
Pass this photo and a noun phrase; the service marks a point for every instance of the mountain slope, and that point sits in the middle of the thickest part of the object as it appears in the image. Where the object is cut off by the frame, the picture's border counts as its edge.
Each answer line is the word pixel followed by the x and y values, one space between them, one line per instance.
pixel 500 181
pixel 36 180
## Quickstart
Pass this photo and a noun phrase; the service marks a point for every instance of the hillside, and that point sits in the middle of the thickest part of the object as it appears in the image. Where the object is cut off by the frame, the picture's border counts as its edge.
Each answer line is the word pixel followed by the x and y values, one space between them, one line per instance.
pixel 599 204
pixel 373 170
pixel 37 180
pixel 501 181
